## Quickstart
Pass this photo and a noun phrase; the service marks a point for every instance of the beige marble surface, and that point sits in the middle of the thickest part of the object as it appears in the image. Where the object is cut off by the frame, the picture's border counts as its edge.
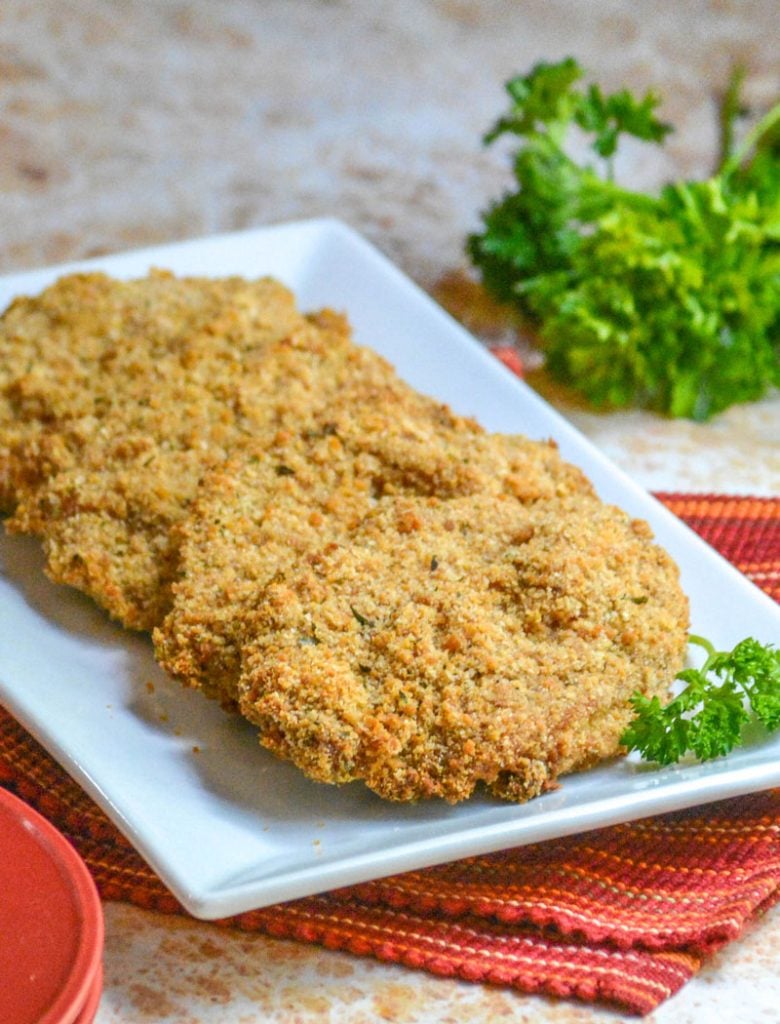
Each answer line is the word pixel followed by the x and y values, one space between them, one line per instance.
pixel 179 972
pixel 128 122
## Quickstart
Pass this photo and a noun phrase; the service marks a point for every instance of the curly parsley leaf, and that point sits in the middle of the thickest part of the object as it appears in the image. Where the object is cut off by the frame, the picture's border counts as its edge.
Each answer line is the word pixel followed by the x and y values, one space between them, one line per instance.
pixel 708 715
pixel 542 102
pixel 620 113
pixel 671 302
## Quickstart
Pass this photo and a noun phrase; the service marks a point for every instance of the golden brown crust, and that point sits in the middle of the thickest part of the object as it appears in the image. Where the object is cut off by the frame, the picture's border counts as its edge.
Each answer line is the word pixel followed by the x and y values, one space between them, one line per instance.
pixel 134 390
pixel 392 595
pixel 274 503
pixel 89 345
pixel 443 643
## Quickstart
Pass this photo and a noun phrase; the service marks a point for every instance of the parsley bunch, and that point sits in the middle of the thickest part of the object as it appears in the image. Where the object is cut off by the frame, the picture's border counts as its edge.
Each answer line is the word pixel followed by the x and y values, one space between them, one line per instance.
pixel 708 715
pixel 671 302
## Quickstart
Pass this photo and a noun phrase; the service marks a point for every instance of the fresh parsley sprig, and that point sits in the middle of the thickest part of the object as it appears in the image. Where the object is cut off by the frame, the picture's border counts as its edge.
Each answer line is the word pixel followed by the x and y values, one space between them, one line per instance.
pixel 708 715
pixel 671 301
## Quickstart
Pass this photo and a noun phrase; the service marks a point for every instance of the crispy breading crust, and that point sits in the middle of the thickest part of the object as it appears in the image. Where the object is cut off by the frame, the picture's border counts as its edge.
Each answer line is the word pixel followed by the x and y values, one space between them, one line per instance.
pixel 166 376
pixel 271 505
pixel 444 643
pixel 89 346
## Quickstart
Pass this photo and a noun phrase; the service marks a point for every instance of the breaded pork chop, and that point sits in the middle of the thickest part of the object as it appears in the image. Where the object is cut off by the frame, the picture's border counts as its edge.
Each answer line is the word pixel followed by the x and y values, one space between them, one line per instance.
pixel 110 524
pixel 90 345
pixel 171 374
pixel 270 507
pixel 442 643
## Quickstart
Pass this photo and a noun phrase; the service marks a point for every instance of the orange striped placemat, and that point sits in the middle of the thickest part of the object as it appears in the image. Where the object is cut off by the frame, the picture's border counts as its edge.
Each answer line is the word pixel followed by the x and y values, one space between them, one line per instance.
pixel 746 531
pixel 624 915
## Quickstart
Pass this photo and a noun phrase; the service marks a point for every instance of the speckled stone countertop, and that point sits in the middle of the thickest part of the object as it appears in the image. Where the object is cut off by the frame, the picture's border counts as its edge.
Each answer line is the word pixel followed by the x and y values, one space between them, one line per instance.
pixel 130 122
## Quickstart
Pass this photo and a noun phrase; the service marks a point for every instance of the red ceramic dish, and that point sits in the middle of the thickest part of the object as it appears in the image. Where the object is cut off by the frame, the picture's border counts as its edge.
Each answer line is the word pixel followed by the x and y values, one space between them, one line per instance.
pixel 90 1008
pixel 51 922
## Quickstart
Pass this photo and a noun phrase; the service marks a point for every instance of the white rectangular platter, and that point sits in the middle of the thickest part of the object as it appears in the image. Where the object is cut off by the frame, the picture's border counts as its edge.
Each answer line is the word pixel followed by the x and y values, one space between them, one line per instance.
pixel 227 826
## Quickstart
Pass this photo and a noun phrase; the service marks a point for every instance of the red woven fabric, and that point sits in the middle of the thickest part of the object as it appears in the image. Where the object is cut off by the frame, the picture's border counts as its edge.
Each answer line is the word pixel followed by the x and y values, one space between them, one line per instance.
pixel 623 915
pixel 746 531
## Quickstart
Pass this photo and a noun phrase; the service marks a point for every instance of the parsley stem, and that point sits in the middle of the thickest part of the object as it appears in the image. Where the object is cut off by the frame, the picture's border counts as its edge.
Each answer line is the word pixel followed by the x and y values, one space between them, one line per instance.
pixel 701 641
pixel 712 654
pixel 730 110
pixel 767 121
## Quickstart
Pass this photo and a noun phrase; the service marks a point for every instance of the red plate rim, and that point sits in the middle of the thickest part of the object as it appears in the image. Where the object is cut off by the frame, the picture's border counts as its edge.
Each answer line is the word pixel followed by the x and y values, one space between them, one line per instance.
pixel 90 1008
pixel 86 966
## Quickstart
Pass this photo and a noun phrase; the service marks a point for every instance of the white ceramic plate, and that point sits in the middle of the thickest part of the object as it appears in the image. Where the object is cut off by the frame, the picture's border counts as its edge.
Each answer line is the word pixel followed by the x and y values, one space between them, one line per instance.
pixel 226 825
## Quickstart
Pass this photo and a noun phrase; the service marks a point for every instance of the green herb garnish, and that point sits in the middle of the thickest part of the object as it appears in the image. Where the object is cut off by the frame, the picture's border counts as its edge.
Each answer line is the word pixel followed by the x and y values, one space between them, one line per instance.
pixel 708 716
pixel 360 618
pixel 671 302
